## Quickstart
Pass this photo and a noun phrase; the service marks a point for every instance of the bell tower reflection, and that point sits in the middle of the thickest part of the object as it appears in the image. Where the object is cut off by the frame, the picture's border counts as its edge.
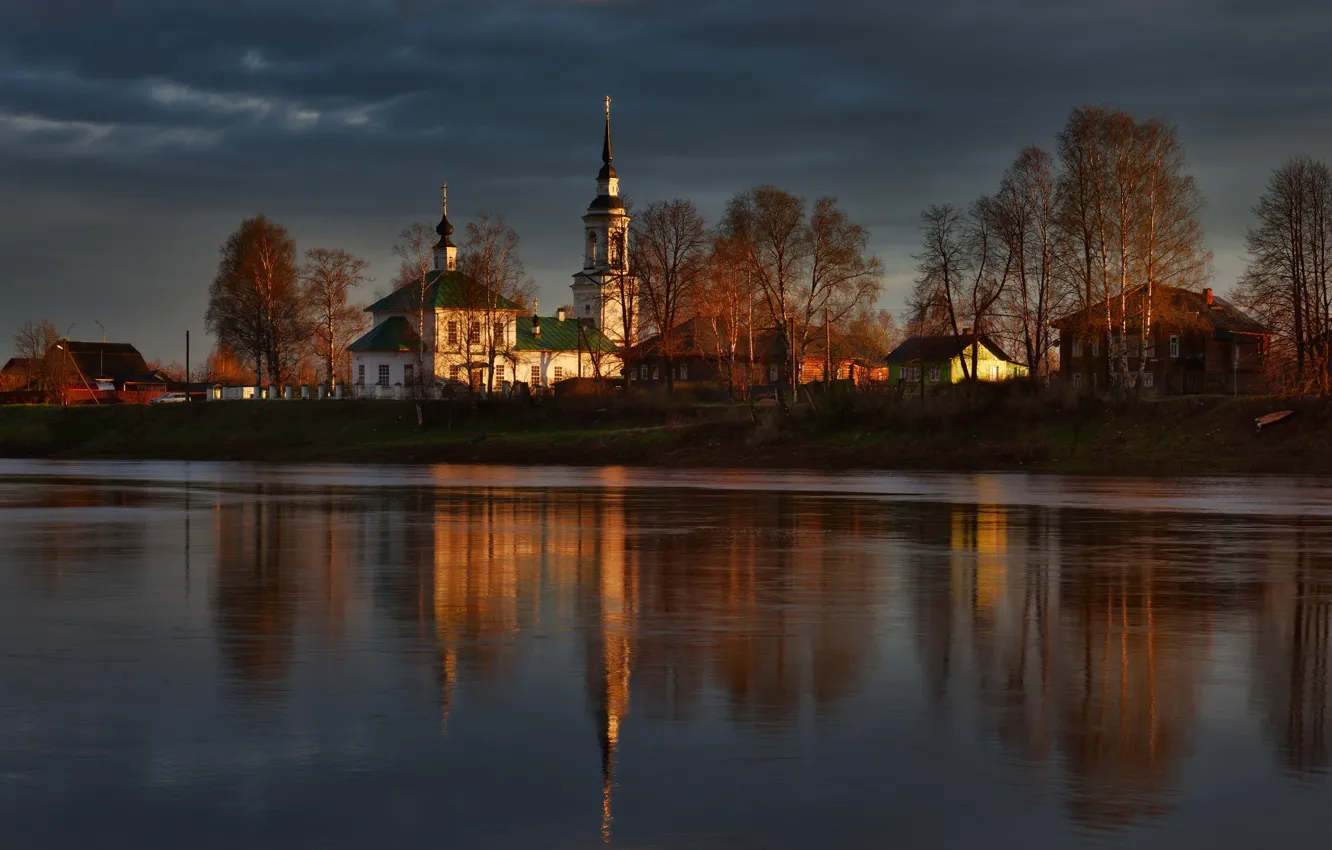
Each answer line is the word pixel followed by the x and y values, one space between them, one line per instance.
pixel 608 594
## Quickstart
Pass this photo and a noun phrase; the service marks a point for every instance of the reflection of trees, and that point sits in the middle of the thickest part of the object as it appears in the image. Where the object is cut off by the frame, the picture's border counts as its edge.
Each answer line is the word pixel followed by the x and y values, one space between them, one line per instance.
pixel 764 600
pixel 276 557
pixel 255 603
pixel 1080 641
pixel 1291 649
pixel 1133 646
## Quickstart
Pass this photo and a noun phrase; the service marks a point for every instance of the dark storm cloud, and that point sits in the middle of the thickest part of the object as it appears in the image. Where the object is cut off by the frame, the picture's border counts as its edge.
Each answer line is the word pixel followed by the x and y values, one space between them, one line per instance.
pixel 134 135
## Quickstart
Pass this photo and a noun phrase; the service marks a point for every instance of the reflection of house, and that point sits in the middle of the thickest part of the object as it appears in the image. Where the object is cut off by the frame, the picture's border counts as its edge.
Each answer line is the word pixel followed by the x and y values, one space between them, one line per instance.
pixel 1198 343
pixel 466 321
pixel 707 350
pixel 923 362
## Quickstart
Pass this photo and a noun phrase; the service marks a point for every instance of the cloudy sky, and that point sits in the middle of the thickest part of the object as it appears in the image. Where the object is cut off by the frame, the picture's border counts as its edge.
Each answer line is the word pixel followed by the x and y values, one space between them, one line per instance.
pixel 136 134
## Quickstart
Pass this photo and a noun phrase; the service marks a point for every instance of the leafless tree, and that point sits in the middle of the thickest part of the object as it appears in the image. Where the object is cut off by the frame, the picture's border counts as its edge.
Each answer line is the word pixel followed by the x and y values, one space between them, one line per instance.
pixel 805 268
pixel 254 301
pixel 329 276
pixel 1025 218
pixel 1128 210
pixel 1290 253
pixel 961 273
pixel 726 298
pixel 34 343
pixel 669 252
pixel 415 248
pixel 494 271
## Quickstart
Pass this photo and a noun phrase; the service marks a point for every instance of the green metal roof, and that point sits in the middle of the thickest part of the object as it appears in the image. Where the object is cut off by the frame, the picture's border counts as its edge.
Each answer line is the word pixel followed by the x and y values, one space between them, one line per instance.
pixel 447 290
pixel 393 334
pixel 559 336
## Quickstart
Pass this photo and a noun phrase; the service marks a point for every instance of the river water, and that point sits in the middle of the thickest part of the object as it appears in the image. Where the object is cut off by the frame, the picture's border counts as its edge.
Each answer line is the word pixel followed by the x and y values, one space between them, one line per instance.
pixel 233 655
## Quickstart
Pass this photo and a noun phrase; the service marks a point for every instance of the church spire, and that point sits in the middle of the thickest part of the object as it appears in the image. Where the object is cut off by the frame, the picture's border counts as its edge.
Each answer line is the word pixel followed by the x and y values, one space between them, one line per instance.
pixel 446 253
pixel 607 170
pixel 444 228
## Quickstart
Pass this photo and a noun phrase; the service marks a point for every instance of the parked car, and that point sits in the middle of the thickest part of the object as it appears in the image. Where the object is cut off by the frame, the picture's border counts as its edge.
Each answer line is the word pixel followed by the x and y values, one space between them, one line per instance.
pixel 170 398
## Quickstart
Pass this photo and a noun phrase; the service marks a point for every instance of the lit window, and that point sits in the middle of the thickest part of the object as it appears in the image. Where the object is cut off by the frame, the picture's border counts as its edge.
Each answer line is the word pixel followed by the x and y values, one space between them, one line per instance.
pixel 474 333
pixel 1174 346
pixel 453 333
pixel 499 374
pixel 499 333
pixel 559 374
pixel 383 374
pixel 535 378
pixel 455 373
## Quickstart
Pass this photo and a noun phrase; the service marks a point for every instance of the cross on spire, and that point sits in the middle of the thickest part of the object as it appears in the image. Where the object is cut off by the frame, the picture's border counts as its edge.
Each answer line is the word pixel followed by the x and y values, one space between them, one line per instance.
pixel 606 146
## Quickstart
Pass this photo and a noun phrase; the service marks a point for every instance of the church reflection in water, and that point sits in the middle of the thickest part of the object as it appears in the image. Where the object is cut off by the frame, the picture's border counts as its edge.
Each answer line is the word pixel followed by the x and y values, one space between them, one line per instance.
pixel 1085 639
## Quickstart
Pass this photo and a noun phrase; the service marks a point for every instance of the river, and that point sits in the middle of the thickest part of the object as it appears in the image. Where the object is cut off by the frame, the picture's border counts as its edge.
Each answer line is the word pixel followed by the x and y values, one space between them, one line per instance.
pixel 238 655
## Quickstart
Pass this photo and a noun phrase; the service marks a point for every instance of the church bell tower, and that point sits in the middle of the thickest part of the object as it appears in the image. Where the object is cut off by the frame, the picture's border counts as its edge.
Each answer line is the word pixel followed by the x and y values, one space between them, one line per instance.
pixel 605 286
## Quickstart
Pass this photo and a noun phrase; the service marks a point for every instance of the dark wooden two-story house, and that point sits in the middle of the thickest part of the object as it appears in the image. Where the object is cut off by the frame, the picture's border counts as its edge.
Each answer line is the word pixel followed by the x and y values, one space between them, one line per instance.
pixel 1198 343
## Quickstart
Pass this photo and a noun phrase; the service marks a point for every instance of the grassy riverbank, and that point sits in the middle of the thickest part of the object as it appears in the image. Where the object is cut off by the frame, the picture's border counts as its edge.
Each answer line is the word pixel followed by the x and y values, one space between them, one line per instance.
pixel 1203 435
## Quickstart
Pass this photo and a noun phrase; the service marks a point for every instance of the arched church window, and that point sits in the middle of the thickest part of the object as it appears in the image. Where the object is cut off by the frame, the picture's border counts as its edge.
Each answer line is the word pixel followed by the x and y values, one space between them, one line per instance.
pixel 591 246
pixel 623 239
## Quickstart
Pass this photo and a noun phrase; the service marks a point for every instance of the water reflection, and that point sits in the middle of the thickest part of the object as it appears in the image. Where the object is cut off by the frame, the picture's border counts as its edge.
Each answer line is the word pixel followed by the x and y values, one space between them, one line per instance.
pixel 1073 652
pixel 1291 650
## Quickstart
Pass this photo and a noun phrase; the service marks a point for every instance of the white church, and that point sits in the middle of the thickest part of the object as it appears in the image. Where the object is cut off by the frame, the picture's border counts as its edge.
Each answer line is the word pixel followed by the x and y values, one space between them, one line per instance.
pixel 462 323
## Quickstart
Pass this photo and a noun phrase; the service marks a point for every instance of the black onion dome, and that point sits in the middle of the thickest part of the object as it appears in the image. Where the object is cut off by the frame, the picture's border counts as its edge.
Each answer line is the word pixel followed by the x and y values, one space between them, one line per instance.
pixel 445 230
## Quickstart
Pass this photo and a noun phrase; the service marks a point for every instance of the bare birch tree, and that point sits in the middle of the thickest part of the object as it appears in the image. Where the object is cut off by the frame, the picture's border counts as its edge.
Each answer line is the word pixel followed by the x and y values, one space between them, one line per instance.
pixel 415 248
pixel 329 275
pixel 726 298
pixel 489 260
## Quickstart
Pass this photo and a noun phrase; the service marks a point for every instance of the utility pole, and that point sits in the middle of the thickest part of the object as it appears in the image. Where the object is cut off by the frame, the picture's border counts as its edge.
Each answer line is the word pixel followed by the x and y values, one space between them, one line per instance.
pixel 187 365
pixel 101 354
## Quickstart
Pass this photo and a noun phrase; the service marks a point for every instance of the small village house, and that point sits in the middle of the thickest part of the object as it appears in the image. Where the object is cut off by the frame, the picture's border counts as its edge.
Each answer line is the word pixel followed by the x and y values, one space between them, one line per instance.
pixel 1198 343
pixel 706 351
pixel 925 362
